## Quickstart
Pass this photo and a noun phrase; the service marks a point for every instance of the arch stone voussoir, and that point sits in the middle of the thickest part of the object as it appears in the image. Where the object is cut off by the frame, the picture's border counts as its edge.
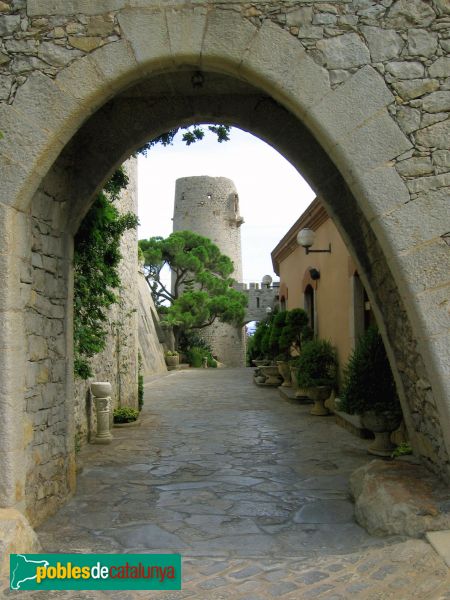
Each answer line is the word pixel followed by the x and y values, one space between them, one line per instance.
pixel 148 35
pixel 383 190
pixel 226 41
pixel 277 62
pixel 186 29
pixel 347 107
pixel 381 134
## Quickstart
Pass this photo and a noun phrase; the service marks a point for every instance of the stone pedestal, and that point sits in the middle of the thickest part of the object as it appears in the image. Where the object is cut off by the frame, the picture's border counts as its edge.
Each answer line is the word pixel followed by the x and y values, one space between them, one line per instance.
pixel 102 399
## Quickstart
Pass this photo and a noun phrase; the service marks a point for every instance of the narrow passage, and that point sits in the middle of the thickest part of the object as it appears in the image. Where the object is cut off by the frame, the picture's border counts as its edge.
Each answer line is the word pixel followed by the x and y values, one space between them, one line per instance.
pixel 249 488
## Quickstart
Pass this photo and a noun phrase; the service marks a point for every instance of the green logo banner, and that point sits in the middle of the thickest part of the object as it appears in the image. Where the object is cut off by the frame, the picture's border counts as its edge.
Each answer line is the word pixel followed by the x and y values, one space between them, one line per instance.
pixel 95 571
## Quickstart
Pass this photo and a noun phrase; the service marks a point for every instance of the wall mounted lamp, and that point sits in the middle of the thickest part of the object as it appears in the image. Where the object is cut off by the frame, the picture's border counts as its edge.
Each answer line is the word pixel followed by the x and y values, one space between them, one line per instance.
pixel 314 273
pixel 305 238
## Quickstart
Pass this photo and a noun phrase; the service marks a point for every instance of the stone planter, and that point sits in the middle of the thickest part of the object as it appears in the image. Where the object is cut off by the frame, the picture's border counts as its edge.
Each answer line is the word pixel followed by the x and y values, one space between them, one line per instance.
pixel 172 361
pixel 271 374
pixel 259 362
pixel 319 394
pixel 284 371
pixel 299 392
pixel 294 382
pixel 382 426
pixel 101 389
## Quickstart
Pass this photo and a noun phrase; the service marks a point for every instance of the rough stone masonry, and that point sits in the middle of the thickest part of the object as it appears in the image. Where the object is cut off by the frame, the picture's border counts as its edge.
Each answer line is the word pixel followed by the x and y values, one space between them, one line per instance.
pixel 355 93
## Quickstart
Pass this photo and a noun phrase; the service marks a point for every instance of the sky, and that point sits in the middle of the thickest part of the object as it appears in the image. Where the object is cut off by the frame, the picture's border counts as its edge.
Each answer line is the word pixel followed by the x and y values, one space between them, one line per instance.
pixel 272 194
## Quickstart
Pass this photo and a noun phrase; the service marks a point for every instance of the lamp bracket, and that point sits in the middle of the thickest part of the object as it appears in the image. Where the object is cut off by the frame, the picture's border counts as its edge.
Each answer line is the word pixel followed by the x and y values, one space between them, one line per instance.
pixel 308 251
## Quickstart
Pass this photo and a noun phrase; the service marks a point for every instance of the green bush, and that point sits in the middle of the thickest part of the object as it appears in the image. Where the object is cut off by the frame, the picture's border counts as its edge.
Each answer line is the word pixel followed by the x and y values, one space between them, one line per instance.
pixel 296 331
pixel 278 323
pixel 317 364
pixel 368 381
pixel 195 357
pixel 125 414
pixel 190 339
pixel 140 391
pixel 255 341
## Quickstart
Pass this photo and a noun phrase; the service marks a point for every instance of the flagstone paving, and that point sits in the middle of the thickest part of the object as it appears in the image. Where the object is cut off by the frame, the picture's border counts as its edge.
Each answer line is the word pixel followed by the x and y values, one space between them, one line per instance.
pixel 251 489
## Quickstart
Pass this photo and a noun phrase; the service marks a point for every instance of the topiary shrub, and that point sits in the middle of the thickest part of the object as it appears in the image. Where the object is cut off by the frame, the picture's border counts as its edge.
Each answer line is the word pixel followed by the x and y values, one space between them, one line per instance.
pixel 295 332
pixel 125 414
pixel 317 364
pixel 368 382
pixel 278 323
pixel 256 344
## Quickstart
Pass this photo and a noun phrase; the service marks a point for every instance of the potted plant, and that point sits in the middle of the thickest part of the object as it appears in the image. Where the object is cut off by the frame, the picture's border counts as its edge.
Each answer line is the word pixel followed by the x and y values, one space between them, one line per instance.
pixel 255 353
pixel 369 390
pixel 172 358
pixel 317 372
pixel 299 393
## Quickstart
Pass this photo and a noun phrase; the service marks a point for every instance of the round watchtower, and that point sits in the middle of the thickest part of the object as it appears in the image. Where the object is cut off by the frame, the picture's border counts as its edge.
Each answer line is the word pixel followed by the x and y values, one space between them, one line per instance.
pixel 209 206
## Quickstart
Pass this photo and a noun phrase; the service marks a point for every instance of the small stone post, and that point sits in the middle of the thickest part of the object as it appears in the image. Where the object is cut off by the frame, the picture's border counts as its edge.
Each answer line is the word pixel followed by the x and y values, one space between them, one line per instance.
pixel 101 390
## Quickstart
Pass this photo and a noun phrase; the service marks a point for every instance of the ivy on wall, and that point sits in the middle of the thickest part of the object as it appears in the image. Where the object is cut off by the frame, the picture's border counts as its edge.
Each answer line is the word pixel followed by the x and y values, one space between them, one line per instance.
pixel 96 277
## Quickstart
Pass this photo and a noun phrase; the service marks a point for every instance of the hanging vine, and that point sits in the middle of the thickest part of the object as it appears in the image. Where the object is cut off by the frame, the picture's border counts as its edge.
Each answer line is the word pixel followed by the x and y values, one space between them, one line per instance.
pixel 96 276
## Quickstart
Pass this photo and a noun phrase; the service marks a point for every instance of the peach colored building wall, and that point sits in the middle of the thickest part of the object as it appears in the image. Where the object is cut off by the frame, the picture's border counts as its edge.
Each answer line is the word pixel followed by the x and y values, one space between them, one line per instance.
pixel 338 307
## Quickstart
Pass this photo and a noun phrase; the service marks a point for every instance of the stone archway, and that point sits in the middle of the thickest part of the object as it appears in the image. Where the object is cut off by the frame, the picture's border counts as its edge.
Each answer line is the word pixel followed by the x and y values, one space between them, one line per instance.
pixel 65 133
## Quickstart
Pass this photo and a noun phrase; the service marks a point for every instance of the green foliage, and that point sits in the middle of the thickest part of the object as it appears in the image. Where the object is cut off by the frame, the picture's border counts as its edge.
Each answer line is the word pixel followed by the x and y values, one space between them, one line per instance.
pixel 77 443
pixel 368 381
pixel 96 277
pixel 125 414
pixel 196 355
pixel 202 289
pixel 317 364
pixel 191 339
pixel 140 383
pixel 190 136
pixel 402 449
pixel 295 332
pixel 140 391
pixel 277 326
pixel 255 341
pixel 279 334
pixel 171 353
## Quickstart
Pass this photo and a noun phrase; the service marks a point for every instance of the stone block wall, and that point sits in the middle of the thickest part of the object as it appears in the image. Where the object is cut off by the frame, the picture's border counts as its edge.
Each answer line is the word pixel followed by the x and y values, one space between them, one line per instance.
pixel 151 336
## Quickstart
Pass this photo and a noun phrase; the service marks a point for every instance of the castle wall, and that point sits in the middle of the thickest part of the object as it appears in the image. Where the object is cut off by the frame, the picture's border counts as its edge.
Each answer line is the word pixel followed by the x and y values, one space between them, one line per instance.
pixel 118 363
pixel 151 337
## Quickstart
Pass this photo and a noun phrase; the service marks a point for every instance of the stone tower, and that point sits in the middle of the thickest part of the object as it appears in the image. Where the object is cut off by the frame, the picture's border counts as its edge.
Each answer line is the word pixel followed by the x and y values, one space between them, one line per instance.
pixel 209 206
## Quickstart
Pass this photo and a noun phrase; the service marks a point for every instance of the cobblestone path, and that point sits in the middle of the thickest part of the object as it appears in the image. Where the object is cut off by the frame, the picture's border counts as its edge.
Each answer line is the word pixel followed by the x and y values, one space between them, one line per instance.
pixel 249 488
